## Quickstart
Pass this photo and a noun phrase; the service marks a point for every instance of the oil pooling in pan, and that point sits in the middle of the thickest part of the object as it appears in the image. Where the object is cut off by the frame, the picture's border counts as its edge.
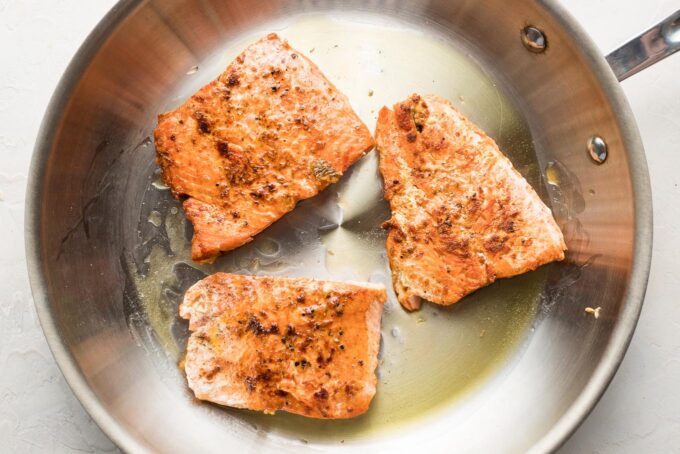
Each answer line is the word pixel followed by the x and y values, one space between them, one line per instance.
pixel 428 358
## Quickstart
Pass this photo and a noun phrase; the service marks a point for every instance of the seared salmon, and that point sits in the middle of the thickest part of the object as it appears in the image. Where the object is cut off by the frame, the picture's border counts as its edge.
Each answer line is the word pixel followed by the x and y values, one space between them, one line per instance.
pixel 269 131
pixel 269 343
pixel 462 216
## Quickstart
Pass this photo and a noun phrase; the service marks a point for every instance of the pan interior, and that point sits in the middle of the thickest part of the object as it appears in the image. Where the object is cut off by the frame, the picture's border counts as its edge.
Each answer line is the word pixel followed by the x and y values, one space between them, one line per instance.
pixel 431 359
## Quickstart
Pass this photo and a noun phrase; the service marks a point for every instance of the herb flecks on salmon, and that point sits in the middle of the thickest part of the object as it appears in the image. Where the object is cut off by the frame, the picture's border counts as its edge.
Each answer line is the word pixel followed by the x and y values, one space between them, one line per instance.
pixel 294 344
pixel 462 216
pixel 269 131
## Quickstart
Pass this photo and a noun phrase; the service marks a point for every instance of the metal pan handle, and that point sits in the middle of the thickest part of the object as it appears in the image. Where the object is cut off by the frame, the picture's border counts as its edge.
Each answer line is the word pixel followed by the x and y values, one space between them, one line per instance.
pixel 650 47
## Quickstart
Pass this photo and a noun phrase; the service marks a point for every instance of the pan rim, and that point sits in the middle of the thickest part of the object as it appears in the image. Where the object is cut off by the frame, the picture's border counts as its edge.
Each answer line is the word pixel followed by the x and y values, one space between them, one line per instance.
pixel 570 420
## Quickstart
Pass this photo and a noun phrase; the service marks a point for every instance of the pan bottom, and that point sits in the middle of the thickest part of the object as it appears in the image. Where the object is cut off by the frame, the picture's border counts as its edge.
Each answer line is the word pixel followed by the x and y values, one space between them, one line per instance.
pixel 430 360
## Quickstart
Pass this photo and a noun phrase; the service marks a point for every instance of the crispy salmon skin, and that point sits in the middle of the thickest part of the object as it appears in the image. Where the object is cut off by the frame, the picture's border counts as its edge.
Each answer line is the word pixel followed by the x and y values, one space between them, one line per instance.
pixel 462 216
pixel 269 131
pixel 267 343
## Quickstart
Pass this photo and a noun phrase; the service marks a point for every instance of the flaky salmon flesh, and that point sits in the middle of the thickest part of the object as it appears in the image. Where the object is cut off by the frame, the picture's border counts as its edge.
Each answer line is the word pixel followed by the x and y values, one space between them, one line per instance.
pixel 269 343
pixel 269 131
pixel 462 216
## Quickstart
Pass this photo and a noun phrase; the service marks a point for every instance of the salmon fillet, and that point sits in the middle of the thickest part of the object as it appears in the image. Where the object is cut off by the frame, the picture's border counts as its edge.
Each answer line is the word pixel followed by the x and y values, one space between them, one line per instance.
pixel 269 131
pixel 462 216
pixel 268 343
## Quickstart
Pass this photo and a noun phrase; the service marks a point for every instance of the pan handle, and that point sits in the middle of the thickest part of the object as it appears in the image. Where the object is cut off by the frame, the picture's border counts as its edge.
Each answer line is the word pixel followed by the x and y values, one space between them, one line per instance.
pixel 650 47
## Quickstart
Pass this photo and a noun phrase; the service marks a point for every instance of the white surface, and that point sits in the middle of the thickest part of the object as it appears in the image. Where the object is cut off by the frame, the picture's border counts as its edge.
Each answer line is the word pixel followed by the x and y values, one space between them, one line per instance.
pixel 38 412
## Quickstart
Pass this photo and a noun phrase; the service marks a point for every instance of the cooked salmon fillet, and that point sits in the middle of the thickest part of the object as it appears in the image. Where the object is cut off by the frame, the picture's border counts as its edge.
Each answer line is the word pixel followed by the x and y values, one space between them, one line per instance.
pixel 269 343
pixel 462 216
pixel 269 131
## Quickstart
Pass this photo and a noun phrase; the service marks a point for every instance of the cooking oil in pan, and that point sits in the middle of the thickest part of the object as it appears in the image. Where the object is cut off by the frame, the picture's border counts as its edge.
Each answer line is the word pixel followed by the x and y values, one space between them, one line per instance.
pixel 430 358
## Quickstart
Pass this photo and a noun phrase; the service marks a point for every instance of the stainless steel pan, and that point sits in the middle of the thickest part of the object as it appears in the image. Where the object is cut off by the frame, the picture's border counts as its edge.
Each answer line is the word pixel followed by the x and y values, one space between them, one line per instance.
pixel 514 367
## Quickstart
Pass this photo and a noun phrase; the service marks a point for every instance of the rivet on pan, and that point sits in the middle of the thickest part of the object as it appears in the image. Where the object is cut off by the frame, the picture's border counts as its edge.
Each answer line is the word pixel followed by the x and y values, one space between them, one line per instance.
pixel 597 149
pixel 534 39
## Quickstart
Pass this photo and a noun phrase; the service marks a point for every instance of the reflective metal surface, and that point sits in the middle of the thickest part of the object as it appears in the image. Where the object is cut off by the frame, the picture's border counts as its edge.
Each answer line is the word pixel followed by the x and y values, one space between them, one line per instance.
pixel 597 149
pixel 534 39
pixel 650 47
pixel 107 245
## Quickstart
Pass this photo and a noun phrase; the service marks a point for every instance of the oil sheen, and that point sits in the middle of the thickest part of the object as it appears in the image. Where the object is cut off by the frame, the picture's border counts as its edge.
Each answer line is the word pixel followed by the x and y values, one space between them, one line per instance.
pixel 430 359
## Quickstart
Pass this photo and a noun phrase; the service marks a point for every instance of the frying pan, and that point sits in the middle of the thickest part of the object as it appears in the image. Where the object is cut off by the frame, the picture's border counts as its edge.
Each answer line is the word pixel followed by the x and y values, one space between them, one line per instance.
pixel 514 367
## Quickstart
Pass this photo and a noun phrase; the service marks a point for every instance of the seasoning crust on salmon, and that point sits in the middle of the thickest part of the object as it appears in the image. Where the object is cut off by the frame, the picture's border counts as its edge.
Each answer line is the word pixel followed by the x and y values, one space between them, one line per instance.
pixel 269 131
pixel 300 345
pixel 462 216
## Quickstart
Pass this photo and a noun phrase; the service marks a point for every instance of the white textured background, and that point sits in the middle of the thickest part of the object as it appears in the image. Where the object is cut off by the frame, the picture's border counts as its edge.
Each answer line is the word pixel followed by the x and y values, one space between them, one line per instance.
pixel 38 413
